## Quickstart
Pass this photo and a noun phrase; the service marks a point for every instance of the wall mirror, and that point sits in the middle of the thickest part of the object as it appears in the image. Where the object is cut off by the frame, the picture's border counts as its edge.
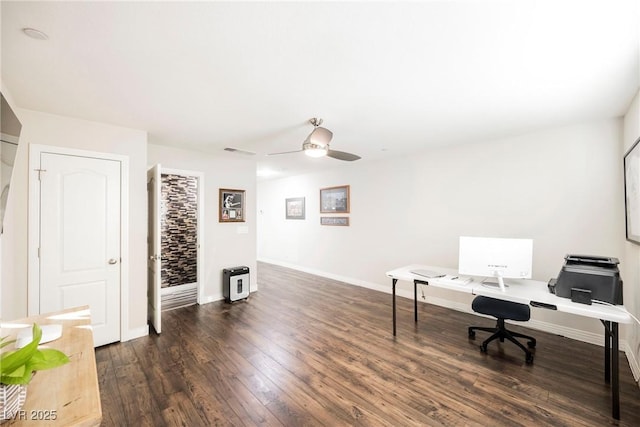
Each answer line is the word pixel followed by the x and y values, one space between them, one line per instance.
pixel 10 128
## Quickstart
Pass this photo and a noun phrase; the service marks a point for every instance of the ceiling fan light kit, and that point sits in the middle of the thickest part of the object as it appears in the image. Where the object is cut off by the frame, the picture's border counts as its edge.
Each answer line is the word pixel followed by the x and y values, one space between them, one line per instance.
pixel 317 144
pixel 313 150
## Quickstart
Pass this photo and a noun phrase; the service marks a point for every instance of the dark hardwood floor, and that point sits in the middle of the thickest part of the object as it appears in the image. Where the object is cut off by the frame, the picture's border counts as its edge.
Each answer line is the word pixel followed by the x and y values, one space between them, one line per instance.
pixel 305 350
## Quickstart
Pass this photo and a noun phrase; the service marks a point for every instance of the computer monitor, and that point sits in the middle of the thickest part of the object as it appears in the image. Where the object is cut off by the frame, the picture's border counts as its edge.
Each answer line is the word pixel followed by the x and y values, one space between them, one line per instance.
pixel 496 257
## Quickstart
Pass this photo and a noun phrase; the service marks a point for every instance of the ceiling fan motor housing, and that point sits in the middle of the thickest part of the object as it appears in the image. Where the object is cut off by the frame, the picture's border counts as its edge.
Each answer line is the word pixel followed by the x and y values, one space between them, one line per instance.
pixel 320 136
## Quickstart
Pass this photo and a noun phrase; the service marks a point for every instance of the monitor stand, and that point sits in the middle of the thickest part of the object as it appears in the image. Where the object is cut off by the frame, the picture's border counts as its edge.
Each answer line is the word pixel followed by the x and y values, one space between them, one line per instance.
pixel 495 282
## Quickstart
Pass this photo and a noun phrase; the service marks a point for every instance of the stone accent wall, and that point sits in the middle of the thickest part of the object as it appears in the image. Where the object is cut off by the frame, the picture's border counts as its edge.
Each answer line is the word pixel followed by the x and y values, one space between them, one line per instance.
pixel 179 229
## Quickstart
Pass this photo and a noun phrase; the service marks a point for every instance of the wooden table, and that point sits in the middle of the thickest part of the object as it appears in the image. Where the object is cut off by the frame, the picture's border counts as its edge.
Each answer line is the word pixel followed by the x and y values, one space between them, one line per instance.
pixel 68 395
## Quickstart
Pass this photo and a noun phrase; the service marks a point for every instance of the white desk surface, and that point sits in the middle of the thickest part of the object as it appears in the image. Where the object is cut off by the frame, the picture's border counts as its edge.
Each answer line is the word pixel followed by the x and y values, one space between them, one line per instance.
pixel 522 291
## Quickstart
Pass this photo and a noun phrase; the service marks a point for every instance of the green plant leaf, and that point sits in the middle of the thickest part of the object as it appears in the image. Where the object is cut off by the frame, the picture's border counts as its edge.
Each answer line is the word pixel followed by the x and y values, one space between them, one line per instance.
pixel 12 360
pixel 47 358
pixel 20 376
pixel 18 366
pixel 4 343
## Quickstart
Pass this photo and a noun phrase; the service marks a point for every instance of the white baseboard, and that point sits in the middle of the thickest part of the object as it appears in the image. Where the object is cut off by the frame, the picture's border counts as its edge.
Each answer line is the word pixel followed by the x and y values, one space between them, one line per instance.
pixel 634 363
pixel 349 280
pixel 210 298
pixel 214 298
pixel 576 334
pixel 131 334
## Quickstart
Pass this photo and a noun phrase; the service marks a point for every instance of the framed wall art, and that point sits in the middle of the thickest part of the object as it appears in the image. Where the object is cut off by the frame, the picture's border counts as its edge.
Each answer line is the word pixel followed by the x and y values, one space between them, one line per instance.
pixel 334 199
pixel 231 207
pixel 335 220
pixel 294 208
pixel 632 192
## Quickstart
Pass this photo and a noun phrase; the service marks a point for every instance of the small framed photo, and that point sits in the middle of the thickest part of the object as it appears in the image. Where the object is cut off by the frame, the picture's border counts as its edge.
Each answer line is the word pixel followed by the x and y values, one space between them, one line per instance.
pixel 294 208
pixel 231 207
pixel 334 199
pixel 335 220
pixel 632 192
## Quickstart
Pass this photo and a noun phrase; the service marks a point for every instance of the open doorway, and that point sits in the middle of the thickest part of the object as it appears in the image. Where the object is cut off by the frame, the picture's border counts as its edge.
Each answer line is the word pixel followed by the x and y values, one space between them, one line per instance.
pixel 175 240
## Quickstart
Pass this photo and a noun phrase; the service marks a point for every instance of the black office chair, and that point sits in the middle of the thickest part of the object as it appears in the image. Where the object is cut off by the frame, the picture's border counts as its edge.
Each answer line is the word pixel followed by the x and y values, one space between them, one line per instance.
pixel 502 310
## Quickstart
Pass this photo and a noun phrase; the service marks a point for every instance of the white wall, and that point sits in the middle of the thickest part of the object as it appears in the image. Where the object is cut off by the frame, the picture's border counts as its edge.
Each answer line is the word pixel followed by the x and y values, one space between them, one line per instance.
pixel 49 129
pixel 631 265
pixel 562 187
pixel 225 244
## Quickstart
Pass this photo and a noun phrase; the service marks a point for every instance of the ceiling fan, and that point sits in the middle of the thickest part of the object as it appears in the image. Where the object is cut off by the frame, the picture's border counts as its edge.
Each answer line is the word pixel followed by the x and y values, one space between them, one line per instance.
pixel 317 144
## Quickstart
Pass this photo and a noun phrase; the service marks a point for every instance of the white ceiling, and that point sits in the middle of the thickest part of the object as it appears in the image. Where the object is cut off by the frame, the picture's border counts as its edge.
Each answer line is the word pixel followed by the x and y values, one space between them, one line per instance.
pixel 388 78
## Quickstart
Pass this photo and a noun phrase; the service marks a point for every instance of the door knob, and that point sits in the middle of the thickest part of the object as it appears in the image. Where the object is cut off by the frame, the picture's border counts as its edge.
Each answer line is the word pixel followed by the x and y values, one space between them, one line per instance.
pixel 113 261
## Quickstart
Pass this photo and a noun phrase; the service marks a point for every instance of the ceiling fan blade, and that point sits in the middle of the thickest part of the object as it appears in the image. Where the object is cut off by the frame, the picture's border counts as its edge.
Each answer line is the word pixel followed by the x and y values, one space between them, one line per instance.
pixel 341 155
pixel 284 152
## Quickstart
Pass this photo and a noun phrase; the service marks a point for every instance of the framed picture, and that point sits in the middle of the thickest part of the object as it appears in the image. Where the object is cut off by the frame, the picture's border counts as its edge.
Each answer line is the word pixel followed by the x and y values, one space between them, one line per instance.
pixel 231 207
pixel 334 199
pixel 294 208
pixel 632 192
pixel 334 220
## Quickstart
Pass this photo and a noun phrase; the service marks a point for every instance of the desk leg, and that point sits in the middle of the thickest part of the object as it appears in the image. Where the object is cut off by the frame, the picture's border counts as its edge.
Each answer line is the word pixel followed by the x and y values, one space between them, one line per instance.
pixel 607 351
pixel 415 301
pixel 615 373
pixel 612 364
pixel 393 286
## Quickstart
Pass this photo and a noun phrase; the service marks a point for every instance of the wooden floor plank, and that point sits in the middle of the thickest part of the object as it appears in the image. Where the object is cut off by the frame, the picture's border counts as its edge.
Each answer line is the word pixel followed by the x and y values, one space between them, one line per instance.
pixel 306 350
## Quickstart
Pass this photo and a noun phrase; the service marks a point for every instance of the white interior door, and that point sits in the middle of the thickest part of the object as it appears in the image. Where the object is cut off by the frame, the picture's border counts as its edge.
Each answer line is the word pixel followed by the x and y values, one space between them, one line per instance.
pixel 154 187
pixel 80 221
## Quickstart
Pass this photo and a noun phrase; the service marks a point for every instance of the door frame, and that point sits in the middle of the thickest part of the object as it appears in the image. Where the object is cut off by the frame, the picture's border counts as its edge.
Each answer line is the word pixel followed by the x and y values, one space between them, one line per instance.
pixel 200 177
pixel 33 227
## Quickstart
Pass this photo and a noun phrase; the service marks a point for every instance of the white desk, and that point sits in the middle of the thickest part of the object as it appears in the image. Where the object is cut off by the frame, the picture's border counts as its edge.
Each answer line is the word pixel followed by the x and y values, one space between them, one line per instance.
pixel 529 292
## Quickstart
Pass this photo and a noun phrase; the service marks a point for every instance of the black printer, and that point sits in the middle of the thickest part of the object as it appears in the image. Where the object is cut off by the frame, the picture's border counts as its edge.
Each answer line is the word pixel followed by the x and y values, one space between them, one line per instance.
pixel 584 278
